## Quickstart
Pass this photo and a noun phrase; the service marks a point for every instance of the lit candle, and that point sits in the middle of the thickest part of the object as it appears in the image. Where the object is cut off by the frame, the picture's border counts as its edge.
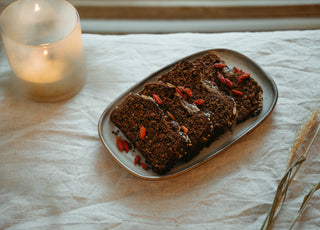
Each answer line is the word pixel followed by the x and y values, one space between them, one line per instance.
pixel 44 48
pixel 40 68
pixel 36 7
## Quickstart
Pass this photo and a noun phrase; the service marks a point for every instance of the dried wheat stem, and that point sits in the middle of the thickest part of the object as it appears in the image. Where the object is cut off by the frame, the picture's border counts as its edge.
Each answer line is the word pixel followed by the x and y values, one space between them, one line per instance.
pixel 304 202
pixel 305 154
pixel 304 129
pixel 281 192
pixel 292 168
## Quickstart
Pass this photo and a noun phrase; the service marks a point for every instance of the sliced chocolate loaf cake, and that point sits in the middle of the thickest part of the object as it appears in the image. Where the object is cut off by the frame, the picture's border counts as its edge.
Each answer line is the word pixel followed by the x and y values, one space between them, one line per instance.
pixel 195 123
pixel 206 96
pixel 160 140
pixel 185 109
pixel 234 82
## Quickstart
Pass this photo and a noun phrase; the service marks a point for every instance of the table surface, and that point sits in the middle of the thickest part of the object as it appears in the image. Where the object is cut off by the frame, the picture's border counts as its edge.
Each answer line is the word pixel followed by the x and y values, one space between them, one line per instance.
pixel 55 173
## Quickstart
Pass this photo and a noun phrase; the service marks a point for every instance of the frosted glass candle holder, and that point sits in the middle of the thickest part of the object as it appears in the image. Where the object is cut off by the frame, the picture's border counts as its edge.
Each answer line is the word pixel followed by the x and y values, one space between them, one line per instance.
pixel 42 39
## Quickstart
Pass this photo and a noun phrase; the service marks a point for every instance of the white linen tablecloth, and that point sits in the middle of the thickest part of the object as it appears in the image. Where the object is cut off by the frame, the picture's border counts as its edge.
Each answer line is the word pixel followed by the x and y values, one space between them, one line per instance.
pixel 55 173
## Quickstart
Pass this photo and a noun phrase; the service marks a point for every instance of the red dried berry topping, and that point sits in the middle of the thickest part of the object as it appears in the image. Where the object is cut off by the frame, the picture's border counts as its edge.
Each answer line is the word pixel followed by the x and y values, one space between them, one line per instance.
pixel 119 144
pixel 237 92
pixel 236 70
pixel 185 129
pixel 181 88
pixel 228 82
pixel 185 96
pixel 142 132
pixel 199 102
pixel 157 99
pixel 125 146
pixel 221 78
pixel 179 92
pixel 136 160
pixel 243 76
pixel 188 92
pixel 219 65
pixel 144 166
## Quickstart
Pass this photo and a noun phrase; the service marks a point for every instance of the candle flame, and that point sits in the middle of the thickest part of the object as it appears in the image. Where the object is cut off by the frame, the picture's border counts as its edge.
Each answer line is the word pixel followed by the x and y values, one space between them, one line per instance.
pixel 36 7
pixel 45 52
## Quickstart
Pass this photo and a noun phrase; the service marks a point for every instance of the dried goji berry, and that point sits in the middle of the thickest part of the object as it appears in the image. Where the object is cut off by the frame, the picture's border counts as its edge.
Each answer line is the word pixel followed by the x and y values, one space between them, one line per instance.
pixel 219 65
pixel 188 92
pixel 181 88
pixel 237 92
pixel 119 144
pixel 228 82
pixel 144 166
pixel 185 129
pixel 125 146
pixel 243 76
pixel 236 70
pixel 199 102
pixel 221 78
pixel 136 160
pixel 142 132
pixel 157 99
pixel 179 92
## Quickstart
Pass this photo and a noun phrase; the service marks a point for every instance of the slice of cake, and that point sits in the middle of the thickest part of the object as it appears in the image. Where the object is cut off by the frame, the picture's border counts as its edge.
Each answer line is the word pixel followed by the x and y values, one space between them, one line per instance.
pixel 205 65
pixel 246 91
pixel 159 139
pixel 195 123
pixel 234 82
pixel 206 96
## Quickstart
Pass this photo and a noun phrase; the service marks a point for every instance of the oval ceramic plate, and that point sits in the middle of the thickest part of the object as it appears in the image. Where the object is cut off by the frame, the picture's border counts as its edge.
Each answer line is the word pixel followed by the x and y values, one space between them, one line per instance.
pixel 231 58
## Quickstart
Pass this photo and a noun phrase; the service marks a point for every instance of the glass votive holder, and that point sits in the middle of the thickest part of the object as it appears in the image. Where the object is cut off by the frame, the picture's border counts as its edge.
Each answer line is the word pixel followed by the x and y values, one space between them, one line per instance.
pixel 42 39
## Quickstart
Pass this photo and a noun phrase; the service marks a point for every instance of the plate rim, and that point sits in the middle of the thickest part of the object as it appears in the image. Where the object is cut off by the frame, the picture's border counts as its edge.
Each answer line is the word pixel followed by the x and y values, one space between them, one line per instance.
pixel 209 156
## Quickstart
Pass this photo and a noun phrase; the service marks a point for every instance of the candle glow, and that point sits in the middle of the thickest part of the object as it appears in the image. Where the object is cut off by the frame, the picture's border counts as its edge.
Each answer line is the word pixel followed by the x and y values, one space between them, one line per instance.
pixel 45 52
pixel 36 8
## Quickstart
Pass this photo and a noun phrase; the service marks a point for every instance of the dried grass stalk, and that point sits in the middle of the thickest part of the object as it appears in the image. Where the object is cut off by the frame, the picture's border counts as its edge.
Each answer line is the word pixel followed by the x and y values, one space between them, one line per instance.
pixel 281 192
pixel 304 203
pixel 304 129
pixel 293 168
